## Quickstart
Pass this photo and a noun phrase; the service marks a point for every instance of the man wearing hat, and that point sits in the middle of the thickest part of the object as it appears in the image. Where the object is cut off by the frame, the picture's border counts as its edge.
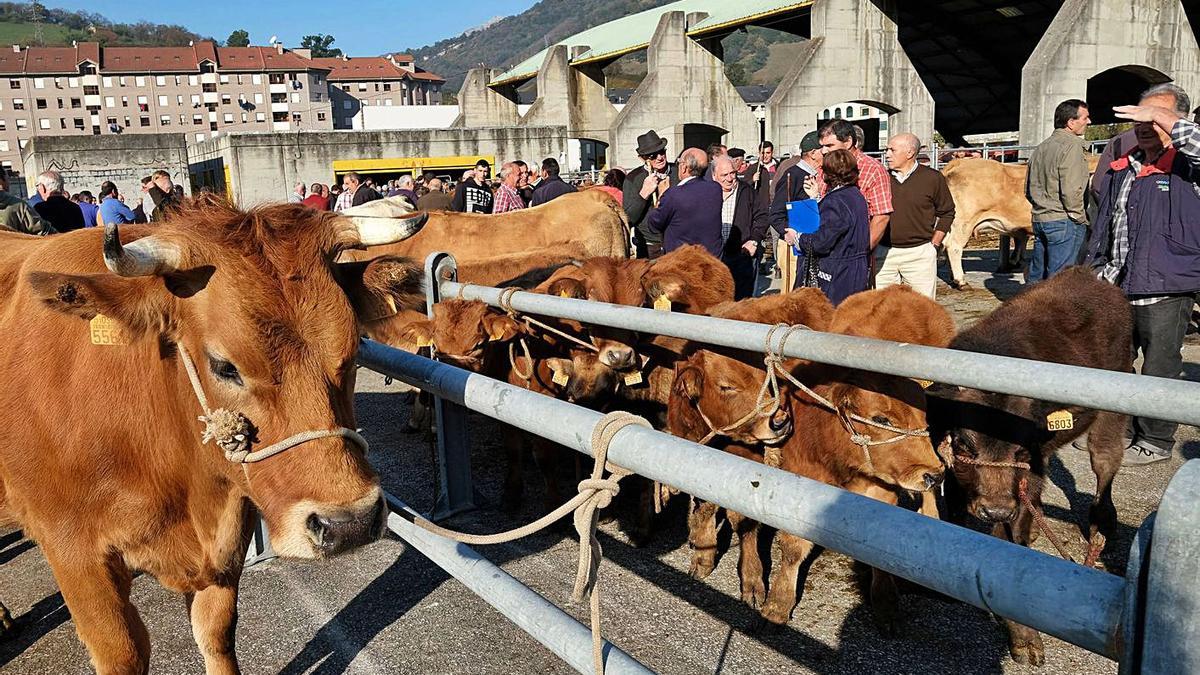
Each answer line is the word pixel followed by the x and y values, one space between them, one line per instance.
pixel 644 187
pixel 808 159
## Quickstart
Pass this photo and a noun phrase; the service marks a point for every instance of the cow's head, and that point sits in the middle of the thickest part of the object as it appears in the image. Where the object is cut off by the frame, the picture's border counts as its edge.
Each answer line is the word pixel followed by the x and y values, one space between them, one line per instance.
pixel 268 317
pixel 611 280
pixel 460 332
pixel 689 280
pixel 991 441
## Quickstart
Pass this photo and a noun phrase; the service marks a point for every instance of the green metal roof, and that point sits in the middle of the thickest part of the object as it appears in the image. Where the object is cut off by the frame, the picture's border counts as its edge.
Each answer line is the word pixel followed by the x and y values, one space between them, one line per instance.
pixel 632 33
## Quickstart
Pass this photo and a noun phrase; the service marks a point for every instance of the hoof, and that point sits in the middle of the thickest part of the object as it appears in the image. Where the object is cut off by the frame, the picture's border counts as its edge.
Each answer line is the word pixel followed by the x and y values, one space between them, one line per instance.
pixel 774 616
pixel 887 623
pixel 7 627
pixel 960 285
pixel 761 625
pixel 754 595
pixel 1028 654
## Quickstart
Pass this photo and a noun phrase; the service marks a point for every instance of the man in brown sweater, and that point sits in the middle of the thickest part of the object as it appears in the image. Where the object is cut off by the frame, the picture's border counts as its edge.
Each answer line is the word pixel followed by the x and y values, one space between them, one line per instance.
pixel 922 213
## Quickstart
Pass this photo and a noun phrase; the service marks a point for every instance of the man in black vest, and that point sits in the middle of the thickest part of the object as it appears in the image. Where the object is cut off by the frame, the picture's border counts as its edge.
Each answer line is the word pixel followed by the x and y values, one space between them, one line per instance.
pixel 644 187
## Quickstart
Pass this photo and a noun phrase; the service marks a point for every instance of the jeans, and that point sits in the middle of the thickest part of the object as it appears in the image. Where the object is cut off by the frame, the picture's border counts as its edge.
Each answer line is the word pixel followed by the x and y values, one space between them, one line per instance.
pixel 1056 245
pixel 1158 332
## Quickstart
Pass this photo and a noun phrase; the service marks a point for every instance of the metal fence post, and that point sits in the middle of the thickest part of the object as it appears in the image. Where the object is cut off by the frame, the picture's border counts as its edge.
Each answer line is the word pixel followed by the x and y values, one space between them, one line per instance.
pixel 1171 637
pixel 1134 612
pixel 260 544
pixel 456 492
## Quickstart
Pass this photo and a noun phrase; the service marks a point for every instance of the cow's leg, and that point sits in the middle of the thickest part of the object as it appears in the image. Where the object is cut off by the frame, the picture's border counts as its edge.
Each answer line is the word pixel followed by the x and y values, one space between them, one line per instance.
pixel 954 253
pixel 885 598
pixel 514 445
pixel 213 612
pixel 702 537
pixel 643 525
pixel 95 586
pixel 1105 441
pixel 6 622
pixel 750 567
pixel 1020 238
pixel 546 454
pixel 781 594
pixel 1024 643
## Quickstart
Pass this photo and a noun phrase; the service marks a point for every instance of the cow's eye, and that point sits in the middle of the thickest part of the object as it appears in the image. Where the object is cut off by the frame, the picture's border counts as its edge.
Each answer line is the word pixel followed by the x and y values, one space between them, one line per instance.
pixel 880 419
pixel 224 370
pixel 727 388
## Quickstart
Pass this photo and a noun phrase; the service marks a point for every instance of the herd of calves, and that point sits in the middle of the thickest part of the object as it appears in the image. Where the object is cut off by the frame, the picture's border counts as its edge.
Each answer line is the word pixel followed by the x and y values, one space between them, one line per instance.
pixel 866 435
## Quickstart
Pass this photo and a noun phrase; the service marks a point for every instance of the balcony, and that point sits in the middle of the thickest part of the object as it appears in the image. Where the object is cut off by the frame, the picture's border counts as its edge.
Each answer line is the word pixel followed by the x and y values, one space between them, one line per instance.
pixel 279 107
pixel 281 126
pixel 281 88
pixel 211 97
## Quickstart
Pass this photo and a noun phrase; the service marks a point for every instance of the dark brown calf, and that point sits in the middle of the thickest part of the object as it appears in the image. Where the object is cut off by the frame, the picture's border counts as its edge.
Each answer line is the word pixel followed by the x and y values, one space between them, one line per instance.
pixel 999 442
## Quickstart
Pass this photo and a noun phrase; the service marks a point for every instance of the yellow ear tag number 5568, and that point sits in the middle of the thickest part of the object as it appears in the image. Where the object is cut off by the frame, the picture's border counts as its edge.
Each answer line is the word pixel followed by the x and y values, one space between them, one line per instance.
pixel 105 331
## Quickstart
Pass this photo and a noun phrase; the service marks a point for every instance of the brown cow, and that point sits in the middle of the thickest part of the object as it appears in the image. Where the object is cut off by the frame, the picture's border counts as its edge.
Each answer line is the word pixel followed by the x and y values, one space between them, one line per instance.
pixel 118 479
pixel 821 446
pixel 1072 318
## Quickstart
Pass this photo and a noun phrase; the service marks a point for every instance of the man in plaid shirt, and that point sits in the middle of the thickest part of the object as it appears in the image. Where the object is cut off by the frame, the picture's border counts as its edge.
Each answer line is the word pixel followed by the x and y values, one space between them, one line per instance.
pixel 507 197
pixel 1146 240
pixel 873 179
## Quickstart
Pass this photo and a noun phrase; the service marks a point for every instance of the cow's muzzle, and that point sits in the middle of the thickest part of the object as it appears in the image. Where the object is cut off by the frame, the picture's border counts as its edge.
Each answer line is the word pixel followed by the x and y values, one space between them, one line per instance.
pixel 337 531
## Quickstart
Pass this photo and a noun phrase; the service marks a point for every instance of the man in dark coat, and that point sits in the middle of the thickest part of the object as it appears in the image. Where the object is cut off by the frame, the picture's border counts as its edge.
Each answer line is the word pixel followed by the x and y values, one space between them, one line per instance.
pixel 690 212
pixel 472 194
pixel 743 225
pixel 362 193
pixel 644 188
pixel 55 207
pixel 551 186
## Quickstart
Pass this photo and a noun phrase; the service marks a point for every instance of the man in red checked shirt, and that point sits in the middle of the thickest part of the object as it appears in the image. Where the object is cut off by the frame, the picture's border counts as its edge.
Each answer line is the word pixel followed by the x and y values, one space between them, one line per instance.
pixel 873 179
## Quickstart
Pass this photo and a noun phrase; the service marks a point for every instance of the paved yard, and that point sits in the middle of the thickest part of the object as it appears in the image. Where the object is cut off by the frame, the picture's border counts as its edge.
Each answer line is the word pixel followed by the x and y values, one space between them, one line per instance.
pixel 387 609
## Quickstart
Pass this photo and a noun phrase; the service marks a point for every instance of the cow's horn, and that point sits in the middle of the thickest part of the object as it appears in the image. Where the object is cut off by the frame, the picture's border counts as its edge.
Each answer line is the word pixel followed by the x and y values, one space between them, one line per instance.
pixel 385 221
pixel 144 257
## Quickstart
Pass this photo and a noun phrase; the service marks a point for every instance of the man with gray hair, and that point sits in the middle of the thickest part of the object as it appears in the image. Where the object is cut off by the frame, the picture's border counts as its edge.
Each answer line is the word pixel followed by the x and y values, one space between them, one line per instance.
pixel 508 198
pixel 1146 240
pixel 297 195
pixel 690 212
pixel 17 215
pixel 406 187
pixel 922 213
pixel 56 206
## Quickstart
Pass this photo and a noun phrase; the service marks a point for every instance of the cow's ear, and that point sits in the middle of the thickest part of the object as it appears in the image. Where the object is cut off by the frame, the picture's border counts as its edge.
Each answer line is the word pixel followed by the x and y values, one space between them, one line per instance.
pixel 382 287
pixel 140 305
pixel 567 288
pixel 500 328
pixel 663 288
pixel 689 382
pixel 416 335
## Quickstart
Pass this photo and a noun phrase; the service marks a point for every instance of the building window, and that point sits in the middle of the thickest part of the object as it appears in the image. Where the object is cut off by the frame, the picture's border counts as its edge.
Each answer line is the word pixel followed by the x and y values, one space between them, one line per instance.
pixel 124 102
pixel 348 121
pixel 22 123
pixel 387 86
pixel 346 105
pixel 228 118
pixel 112 121
pixel 110 102
pixel 3 146
pixel 76 103
pixel 245 117
pixel 162 100
pixel 143 107
pixel 210 107
pixel 226 99
pixel 197 119
pixel 362 86
pixel 239 79
pixel 18 104
pixel 208 88
pixel 388 102
pixel 79 123
pixel 258 99
pixel 164 120
pixel 72 82
pixel 91 90
pixel 256 79
pixel 144 120
pixel 108 81
pixel 160 81
pixel 139 81
pixel 295 97
pixel 199 138
pixel 320 117
pixel 179 99
pixel 44 123
pixel 279 117
pixel 182 120
pixel 278 98
pixel 14 84
pixel 208 67
pixel 212 126
pixel 22 142
pixel 39 103
pixel 260 117
pixel 193 80
pixel 275 78
pixel 317 97
pixel 127 120
pixel 3 125
pixel 224 79
pixel 863 112
pixel 122 80
pixel 39 83
pixel 365 103
pixel 93 109
pixel 88 69
pixel 62 123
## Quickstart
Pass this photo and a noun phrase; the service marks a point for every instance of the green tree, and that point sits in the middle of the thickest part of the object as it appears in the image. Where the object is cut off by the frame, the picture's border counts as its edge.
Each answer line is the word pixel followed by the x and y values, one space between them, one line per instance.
pixel 238 38
pixel 321 45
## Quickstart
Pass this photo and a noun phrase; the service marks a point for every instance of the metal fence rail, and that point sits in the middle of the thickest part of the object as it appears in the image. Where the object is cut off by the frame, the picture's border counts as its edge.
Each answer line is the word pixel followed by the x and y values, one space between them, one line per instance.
pixel 1155 397
pixel 1077 604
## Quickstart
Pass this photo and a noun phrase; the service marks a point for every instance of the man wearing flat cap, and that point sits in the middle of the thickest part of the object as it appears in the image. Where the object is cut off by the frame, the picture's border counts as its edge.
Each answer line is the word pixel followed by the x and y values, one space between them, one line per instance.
pixel 644 187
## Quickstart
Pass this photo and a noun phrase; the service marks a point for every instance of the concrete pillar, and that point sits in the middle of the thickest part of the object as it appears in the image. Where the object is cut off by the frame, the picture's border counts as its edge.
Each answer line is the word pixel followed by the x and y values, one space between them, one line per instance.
pixel 685 84
pixel 1088 37
pixel 854 55
pixel 481 106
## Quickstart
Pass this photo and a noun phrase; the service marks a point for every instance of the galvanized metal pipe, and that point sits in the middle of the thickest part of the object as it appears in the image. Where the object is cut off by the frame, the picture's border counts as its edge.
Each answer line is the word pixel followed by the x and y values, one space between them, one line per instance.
pixel 546 623
pixel 1141 395
pixel 1172 600
pixel 1080 605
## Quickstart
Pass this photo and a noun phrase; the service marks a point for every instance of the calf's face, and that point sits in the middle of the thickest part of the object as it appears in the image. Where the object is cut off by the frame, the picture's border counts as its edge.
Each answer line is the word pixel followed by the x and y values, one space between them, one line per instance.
pixel 908 462
pixel 723 390
pixel 460 332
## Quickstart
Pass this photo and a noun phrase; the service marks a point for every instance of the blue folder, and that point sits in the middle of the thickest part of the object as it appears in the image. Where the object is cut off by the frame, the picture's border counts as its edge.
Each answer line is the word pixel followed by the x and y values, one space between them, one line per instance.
pixel 803 216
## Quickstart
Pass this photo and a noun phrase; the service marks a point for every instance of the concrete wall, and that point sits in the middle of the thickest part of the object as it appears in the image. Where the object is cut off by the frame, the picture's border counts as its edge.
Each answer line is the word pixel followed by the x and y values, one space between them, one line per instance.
pixel 87 161
pixel 571 97
pixel 854 55
pixel 1090 36
pixel 482 106
pixel 685 84
pixel 263 166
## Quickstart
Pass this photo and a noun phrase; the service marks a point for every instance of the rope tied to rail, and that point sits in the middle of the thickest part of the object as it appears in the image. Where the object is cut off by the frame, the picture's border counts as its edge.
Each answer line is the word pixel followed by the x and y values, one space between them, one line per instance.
pixel 233 432
pixel 595 493
pixel 505 302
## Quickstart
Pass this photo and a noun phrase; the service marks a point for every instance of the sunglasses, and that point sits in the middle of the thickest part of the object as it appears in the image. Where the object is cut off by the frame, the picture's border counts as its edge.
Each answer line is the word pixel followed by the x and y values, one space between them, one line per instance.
pixel 660 153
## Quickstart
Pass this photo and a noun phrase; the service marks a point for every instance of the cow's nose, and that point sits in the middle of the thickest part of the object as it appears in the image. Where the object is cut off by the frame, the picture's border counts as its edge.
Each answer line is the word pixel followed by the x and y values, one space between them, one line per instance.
pixel 995 514
pixel 781 421
pixel 932 480
pixel 619 358
pixel 333 533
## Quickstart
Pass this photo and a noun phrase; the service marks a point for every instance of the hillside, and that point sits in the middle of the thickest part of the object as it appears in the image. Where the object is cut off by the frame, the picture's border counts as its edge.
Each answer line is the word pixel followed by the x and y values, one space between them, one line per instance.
pixel 36 24
pixel 510 40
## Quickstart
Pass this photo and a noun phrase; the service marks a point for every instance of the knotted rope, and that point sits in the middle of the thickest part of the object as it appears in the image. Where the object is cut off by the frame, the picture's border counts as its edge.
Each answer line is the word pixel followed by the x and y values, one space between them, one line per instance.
pixel 595 493
pixel 505 302
pixel 233 432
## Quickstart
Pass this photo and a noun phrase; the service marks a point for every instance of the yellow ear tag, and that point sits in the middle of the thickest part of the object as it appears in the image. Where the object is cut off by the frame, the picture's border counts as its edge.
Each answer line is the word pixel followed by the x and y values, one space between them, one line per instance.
pixel 423 342
pixel 1060 420
pixel 105 331
pixel 496 333
pixel 925 384
pixel 662 303
pixel 560 378
pixel 633 379
pixel 564 294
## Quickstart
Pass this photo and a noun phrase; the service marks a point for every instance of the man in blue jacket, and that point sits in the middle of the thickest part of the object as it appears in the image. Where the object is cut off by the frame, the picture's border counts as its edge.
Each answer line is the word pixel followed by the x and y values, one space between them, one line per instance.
pixel 1147 241
pixel 690 212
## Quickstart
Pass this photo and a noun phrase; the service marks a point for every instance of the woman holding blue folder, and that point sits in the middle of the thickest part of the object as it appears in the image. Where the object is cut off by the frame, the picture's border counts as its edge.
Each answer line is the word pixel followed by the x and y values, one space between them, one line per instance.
pixel 841 245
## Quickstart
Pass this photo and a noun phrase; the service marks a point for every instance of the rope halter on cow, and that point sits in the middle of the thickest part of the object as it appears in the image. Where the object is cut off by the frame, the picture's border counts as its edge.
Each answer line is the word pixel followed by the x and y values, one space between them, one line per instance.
pixel 233 432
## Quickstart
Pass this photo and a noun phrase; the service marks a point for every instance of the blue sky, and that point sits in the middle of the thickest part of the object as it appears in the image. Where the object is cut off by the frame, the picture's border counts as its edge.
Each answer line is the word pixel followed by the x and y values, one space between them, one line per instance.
pixel 373 26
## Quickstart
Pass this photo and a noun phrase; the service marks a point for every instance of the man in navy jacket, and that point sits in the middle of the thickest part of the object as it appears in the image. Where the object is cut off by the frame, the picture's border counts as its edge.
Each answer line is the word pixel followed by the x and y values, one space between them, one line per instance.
pixel 690 212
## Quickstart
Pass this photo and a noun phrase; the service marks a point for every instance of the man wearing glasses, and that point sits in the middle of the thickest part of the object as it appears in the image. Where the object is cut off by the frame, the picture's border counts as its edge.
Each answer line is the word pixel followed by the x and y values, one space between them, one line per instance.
pixel 644 187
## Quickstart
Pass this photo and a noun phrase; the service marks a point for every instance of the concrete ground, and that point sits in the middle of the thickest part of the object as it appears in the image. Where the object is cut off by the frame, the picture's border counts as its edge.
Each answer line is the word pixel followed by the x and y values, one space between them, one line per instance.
pixel 387 609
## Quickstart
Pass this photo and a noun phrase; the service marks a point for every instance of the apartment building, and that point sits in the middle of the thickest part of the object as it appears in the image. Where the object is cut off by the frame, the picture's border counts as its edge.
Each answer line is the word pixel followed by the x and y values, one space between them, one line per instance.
pixel 391 80
pixel 201 90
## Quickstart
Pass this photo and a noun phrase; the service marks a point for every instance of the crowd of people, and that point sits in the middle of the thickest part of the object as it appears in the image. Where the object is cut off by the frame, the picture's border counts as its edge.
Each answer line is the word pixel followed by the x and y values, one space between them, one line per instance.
pixel 52 209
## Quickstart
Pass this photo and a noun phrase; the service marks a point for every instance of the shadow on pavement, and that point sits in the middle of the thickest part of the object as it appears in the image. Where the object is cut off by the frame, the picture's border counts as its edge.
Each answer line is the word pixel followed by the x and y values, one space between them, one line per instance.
pixel 45 615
